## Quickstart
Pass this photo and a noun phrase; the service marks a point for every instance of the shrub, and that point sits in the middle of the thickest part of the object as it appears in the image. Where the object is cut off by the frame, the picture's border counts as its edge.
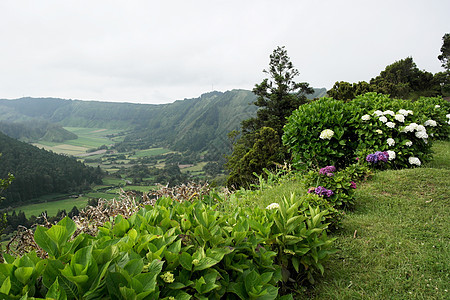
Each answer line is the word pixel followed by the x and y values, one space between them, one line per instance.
pixel 318 134
pixel 371 122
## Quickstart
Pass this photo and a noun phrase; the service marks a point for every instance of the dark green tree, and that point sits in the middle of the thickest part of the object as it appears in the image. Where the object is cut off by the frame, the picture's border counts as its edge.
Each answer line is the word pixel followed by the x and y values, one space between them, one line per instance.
pixel 403 79
pixel 277 96
pixel 442 79
pixel 346 91
pixel 444 57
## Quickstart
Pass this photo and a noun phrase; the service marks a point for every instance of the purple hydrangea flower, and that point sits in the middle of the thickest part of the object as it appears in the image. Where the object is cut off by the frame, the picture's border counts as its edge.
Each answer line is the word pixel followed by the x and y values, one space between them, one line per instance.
pixel 321 191
pixel 328 170
pixel 353 184
pixel 377 156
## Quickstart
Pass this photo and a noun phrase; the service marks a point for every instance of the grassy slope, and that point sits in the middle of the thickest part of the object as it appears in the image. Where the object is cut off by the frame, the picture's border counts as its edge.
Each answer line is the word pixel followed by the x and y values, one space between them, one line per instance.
pixel 401 249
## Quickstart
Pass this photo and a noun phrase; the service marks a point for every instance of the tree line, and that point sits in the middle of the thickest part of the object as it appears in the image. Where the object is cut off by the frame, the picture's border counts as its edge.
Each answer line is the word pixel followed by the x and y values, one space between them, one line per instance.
pixel 38 172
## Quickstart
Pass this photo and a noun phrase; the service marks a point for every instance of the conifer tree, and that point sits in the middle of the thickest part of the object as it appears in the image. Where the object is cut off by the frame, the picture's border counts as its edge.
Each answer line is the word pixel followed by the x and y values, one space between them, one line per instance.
pixel 277 96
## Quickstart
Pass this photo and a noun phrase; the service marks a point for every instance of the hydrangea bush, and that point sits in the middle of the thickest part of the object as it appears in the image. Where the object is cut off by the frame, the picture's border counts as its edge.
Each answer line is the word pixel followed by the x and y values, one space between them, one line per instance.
pixel 370 124
pixel 317 134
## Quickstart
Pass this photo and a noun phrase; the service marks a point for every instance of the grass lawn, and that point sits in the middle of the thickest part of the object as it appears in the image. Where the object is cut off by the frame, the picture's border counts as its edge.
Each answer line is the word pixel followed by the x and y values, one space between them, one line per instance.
pixel 150 152
pixel 52 207
pixel 395 244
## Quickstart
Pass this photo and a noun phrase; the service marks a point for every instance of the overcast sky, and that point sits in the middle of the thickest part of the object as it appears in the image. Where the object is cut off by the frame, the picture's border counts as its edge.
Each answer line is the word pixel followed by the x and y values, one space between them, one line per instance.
pixel 162 51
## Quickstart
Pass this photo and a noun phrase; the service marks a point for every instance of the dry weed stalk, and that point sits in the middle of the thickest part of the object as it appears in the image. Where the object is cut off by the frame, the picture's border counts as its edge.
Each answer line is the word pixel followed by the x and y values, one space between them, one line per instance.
pixel 92 217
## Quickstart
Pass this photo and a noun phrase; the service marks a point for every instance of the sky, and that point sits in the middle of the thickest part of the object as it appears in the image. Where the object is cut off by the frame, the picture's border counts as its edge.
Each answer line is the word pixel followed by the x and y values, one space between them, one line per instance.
pixel 160 51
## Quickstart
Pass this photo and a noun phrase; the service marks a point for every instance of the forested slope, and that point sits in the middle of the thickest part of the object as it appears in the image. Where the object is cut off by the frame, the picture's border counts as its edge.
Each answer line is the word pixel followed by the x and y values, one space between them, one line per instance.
pixel 39 172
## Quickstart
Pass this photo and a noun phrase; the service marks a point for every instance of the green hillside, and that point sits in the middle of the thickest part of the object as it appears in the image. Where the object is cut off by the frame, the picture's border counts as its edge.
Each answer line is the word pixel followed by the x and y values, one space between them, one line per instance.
pixel 31 131
pixel 196 124
pixel 38 172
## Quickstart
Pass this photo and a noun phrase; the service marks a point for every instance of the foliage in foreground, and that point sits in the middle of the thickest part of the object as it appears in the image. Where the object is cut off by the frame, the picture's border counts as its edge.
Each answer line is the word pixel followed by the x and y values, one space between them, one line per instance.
pixel 175 251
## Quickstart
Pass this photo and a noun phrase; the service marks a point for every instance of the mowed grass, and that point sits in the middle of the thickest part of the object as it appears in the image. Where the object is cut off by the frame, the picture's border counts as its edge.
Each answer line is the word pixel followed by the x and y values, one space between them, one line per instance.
pixel 150 152
pixel 395 244
pixel 88 138
pixel 52 207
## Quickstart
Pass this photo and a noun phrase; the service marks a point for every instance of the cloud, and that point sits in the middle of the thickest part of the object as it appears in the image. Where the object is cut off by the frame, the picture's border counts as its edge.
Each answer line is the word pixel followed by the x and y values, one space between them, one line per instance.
pixel 161 51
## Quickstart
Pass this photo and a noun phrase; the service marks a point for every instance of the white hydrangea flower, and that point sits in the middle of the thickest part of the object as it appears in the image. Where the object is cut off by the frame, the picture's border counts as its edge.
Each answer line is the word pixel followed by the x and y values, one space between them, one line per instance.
pixel 408 143
pixel 448 116
pixel 326 134
pixel 383 119
pixel 437 106
pixel 431 123
pixel 448 122
pixel 378 113
pixel 365 117
pixel 400 117
pixel 405 112
pixel 421 134
pixel 391 154
pixel 390 124
pixel 413 126
pixel 390 142
pixel 388 112
pixel 273 206
pixel 421 128
pixel 414 161
pixel 379 131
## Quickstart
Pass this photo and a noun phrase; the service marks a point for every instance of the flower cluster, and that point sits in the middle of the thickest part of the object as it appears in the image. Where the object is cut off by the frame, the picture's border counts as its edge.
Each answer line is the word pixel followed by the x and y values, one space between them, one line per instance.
pixel 168 277
pixel 327 171
pixel 273 206
pixel 378 156
pixel 326 134
pixel 414 161
pixel 391 154
pixel 321 191
pixel 353 184
pixel 431 123
pixel 390 142
pixel 448 117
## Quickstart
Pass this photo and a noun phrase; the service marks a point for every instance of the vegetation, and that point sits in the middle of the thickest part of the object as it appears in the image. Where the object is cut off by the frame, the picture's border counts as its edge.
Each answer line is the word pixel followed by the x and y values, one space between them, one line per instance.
pixel 260 145
pixel 38 172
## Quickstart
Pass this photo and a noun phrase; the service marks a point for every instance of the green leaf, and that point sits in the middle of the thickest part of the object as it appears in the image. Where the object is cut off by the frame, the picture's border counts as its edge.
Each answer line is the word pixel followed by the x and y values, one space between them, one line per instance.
pixel 205 263
pixel 251 281
pixel 239 289
pixel 186 261
pixel 121 227
pixel 114 281
pixel 134 266
pixel 6 286
pixel 44 241
pixel 127 293
pixel 56 292
pixel 23 274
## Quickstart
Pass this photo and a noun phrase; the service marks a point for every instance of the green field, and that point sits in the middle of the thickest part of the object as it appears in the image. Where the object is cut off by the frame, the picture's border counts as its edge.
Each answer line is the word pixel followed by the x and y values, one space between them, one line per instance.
pixel 150 152
pixel 52 207
pixel 88 138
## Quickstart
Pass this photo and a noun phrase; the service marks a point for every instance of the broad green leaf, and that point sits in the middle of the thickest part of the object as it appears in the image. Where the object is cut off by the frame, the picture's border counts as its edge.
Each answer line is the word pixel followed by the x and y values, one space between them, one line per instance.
pixel 23 274
pixel 186 261
pixel 239 289
pixel 205 263
pixel 56 292
pixel 115 280
pixel 44 241
pixel 251 281
pixel 121 227
pixel 6 286
pixel 127 293
pixel 134 266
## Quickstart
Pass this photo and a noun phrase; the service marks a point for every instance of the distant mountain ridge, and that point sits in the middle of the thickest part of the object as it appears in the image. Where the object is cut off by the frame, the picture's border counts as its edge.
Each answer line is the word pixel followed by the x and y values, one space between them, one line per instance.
pixel 194 124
